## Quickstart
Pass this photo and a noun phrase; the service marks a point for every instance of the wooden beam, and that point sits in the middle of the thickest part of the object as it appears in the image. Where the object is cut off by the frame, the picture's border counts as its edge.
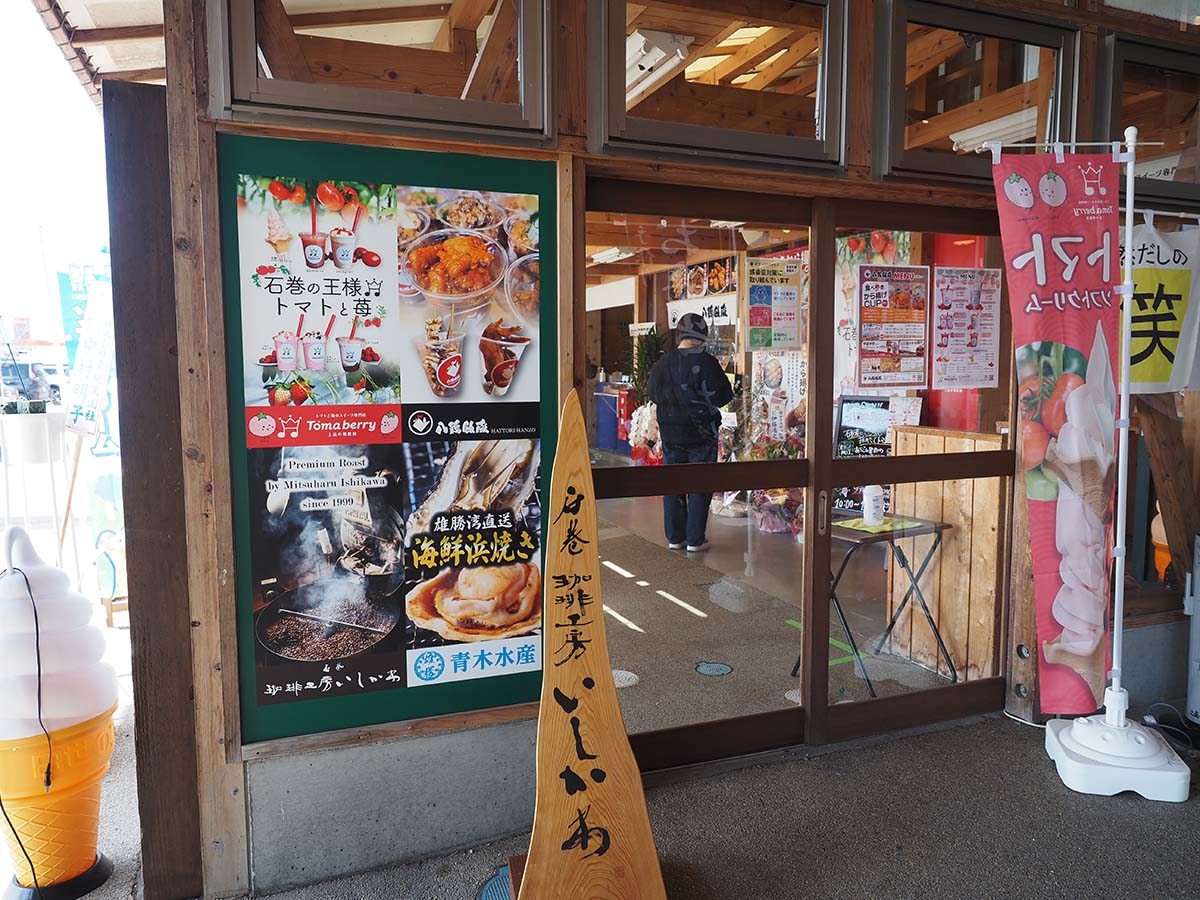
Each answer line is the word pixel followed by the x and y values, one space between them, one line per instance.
pixel 83 37
pixel 387 15
pixel 278 42
pixel 695 52
pixel 1172 470
pixel 746 57
pixel 720 106
pixel 757 12
pixel 927 49
pixel 461 23
pixel 1045 90
pixel 776 68
pixel 632 11
pixel 359 64
pixel 493 77
pixel 155 74
pixel 1014 99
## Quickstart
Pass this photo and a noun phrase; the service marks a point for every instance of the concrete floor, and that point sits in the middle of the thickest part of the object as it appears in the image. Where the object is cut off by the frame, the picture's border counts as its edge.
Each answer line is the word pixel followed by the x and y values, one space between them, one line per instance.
pixel 970 811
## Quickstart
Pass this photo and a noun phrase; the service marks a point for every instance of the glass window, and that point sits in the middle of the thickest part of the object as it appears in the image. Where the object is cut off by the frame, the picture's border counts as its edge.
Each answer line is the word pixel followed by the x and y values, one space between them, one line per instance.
pixel 748 282
pixel 717 632
pixel 475 62
pixel 952 79
pixel 730 70
pixel 1163 103
pixel 1186 12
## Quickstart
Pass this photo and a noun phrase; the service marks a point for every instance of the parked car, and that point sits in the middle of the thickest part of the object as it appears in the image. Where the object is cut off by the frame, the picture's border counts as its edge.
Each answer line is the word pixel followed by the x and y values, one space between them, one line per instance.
pixel 31 381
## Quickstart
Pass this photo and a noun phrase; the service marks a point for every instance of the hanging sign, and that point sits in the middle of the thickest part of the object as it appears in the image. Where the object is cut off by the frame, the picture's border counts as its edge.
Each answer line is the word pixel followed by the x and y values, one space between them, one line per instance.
pixel 1166 314
pixel 966 328
pixel 1059 223
pixel 778 300
pixel 720 310
pixel 88 390
pixel 863 430
pixel 893 326
pixel 387 362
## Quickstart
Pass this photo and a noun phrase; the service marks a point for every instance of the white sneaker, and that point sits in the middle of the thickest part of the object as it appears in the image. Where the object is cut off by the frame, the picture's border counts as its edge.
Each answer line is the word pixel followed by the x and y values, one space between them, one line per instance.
pixel 697 549
pixel 671 546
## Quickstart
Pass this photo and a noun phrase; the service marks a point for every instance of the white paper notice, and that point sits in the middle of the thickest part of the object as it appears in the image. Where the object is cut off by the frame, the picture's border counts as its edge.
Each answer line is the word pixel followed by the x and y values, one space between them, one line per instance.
pixel 966 328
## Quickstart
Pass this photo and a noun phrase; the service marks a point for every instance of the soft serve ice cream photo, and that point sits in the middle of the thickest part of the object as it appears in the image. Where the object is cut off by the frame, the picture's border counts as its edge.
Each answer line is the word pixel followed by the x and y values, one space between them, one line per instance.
pixel 57 698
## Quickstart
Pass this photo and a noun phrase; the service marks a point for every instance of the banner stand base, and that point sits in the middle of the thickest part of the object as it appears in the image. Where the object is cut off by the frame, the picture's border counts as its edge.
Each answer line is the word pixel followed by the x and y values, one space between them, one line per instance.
pixel 1095 757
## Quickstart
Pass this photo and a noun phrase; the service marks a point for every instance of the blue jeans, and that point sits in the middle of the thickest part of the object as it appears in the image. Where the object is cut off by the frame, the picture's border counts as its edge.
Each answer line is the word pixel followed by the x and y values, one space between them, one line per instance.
pixel 685 516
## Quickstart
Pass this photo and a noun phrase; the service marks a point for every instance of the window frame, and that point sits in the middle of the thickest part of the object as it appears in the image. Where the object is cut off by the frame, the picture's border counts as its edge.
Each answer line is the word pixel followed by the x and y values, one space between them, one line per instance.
pixel 248 95
pixel 890 158
pixel 1116 49
pixel 611 129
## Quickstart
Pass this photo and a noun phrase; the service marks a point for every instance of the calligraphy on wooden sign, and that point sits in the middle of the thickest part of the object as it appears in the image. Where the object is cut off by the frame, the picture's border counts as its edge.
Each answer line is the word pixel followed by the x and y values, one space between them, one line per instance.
pixel 591 833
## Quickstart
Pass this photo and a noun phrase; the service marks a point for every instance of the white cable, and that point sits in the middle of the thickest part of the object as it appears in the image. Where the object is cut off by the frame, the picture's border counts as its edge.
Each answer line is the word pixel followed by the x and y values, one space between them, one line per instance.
pixel 1023 722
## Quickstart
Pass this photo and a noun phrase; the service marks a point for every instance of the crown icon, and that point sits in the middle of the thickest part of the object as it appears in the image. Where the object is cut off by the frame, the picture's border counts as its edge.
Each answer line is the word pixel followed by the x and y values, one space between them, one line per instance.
pixel 292 424
pixel 1092 174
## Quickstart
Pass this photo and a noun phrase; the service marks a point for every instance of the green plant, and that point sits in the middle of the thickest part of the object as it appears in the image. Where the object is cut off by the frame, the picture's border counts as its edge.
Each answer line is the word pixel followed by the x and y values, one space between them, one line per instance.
pixel 647 350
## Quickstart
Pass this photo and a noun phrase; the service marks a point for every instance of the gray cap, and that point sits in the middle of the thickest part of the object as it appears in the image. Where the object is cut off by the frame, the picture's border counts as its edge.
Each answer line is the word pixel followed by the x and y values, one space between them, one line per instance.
pixel 692 325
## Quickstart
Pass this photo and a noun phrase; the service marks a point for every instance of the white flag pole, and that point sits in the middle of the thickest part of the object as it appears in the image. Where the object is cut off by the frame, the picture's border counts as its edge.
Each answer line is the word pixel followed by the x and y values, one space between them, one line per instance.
pixel 1108 754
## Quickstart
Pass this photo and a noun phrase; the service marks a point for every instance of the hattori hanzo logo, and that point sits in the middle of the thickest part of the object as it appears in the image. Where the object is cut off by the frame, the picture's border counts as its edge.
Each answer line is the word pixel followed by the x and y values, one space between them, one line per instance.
pixel 420 422
pixel 429 666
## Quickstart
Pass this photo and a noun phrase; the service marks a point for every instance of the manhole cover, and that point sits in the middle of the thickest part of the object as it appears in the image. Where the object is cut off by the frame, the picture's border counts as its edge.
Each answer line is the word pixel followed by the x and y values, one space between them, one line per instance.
pixel 496 887
pixel 623 679
pixel 713 668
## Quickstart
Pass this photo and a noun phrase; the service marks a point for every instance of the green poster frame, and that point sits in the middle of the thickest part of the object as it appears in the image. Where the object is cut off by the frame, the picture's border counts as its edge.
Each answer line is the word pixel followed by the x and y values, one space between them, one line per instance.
pixel 306 160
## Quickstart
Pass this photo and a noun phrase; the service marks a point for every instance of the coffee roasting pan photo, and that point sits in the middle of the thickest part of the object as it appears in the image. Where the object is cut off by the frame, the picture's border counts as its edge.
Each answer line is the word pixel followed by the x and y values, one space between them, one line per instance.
pixel 331 618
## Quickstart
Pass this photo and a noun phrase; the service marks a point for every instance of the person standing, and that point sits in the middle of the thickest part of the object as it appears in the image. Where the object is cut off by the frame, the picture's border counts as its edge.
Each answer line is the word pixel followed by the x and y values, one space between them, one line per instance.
pixel 689 387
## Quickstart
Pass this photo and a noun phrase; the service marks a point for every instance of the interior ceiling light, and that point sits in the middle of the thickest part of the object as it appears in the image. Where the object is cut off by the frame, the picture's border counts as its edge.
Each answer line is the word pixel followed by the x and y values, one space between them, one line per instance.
pixel 1018 126
pixel 724 223
pixel 651 57
pixel 612 255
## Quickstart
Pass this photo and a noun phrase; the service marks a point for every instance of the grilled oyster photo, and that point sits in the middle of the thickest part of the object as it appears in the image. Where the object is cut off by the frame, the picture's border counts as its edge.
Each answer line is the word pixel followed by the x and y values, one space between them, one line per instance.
pixel 479 604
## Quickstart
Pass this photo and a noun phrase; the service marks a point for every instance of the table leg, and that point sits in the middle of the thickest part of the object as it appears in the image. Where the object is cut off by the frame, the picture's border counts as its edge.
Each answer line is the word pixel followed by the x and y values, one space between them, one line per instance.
pixel 916 588
pixel 833 597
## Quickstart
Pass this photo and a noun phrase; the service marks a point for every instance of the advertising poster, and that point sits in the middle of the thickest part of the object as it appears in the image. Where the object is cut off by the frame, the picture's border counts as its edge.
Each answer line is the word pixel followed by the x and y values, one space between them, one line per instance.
pixel 881 248
pixel 778 299
pixel 778 385
pixel 893 326
pixel 1166 278
pixel 715 310
pixel 1059 225
pixel 390 382
pixel 966 328
pixel 717 276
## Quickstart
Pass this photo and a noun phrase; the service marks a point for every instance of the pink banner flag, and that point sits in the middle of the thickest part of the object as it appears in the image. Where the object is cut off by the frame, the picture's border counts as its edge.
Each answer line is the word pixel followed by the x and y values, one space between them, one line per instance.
pixel 1059 225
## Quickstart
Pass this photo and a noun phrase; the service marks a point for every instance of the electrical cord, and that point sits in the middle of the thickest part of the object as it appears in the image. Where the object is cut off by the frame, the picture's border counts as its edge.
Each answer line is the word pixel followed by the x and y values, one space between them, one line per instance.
pixel 37 645
pixel 1023 722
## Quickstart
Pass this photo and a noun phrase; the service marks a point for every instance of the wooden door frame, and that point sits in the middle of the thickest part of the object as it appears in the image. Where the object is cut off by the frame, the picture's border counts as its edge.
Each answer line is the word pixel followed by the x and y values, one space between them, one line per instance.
pixel 815 721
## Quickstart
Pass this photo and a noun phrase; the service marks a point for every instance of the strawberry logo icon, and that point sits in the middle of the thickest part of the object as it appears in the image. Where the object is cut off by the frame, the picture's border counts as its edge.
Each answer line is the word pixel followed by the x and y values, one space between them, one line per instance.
pixel 1052 189
pixel 1018 191
pixel 389 423
pixel 262 425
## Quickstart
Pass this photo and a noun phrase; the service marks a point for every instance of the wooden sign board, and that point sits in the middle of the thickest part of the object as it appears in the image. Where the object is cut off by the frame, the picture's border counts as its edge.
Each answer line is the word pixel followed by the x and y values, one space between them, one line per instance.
pixel 591 832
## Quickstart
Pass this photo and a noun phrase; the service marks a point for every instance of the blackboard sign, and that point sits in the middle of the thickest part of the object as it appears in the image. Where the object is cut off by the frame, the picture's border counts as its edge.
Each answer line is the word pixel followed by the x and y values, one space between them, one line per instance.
pixel 862 431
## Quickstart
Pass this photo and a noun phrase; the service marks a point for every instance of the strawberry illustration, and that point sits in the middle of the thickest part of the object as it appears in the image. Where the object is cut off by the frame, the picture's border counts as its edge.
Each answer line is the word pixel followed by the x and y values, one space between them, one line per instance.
pixel 389 423
pixel 280 395
pixel 1018 191
pixel 261 425
pixel 300 391
pixel 1052 189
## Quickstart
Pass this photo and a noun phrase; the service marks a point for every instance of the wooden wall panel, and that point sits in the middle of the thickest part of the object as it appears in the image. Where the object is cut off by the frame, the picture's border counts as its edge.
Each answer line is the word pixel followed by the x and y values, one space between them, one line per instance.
pixel 955 561
pixel 928 506
pixel 139 213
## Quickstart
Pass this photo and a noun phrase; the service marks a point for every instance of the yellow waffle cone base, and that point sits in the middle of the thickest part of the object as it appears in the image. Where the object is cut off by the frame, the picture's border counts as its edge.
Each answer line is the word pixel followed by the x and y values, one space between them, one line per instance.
pixel 59 829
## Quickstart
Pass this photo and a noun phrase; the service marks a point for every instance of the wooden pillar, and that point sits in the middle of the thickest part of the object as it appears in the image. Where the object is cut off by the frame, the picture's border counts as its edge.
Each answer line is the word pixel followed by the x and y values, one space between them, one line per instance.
pixel 200 336
pixel 1172 470
pixel 135 137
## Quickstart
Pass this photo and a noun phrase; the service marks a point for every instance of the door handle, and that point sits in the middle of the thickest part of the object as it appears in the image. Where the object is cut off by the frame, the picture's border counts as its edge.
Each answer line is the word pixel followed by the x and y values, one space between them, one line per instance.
pixel 822 512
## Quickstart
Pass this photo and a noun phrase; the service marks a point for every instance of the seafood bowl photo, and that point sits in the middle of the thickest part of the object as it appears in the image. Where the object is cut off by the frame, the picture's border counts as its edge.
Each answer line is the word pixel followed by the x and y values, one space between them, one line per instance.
pixel 522 289
pixel 471 212
pixel 455 269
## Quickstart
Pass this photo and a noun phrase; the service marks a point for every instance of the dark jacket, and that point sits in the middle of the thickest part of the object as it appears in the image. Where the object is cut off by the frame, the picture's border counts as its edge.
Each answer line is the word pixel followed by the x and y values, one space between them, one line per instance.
pixel 689 388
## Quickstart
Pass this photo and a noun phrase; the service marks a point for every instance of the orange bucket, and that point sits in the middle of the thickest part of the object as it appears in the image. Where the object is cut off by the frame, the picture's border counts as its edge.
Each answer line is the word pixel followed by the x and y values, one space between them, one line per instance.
pixel 59 828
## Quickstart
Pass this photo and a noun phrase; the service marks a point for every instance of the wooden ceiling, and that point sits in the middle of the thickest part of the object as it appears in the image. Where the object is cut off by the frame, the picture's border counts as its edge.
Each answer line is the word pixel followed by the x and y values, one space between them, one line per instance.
pixel 658 244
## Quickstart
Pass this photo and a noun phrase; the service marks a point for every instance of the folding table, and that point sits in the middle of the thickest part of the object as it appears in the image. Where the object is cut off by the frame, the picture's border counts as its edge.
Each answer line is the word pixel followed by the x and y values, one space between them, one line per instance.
pixel 901 527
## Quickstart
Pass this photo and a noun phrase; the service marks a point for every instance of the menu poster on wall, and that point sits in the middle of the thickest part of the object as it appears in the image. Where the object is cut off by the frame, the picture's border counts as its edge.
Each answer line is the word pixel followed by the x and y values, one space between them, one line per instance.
pixel 779 382
pixel 717 276
pixel 893 326
pixel 391 388
pixel 966 328
pixel 778 300
pixel 863 430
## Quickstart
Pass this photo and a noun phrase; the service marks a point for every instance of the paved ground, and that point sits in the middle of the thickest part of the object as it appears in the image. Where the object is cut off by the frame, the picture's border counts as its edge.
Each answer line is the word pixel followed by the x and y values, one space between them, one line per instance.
pixel 973 811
